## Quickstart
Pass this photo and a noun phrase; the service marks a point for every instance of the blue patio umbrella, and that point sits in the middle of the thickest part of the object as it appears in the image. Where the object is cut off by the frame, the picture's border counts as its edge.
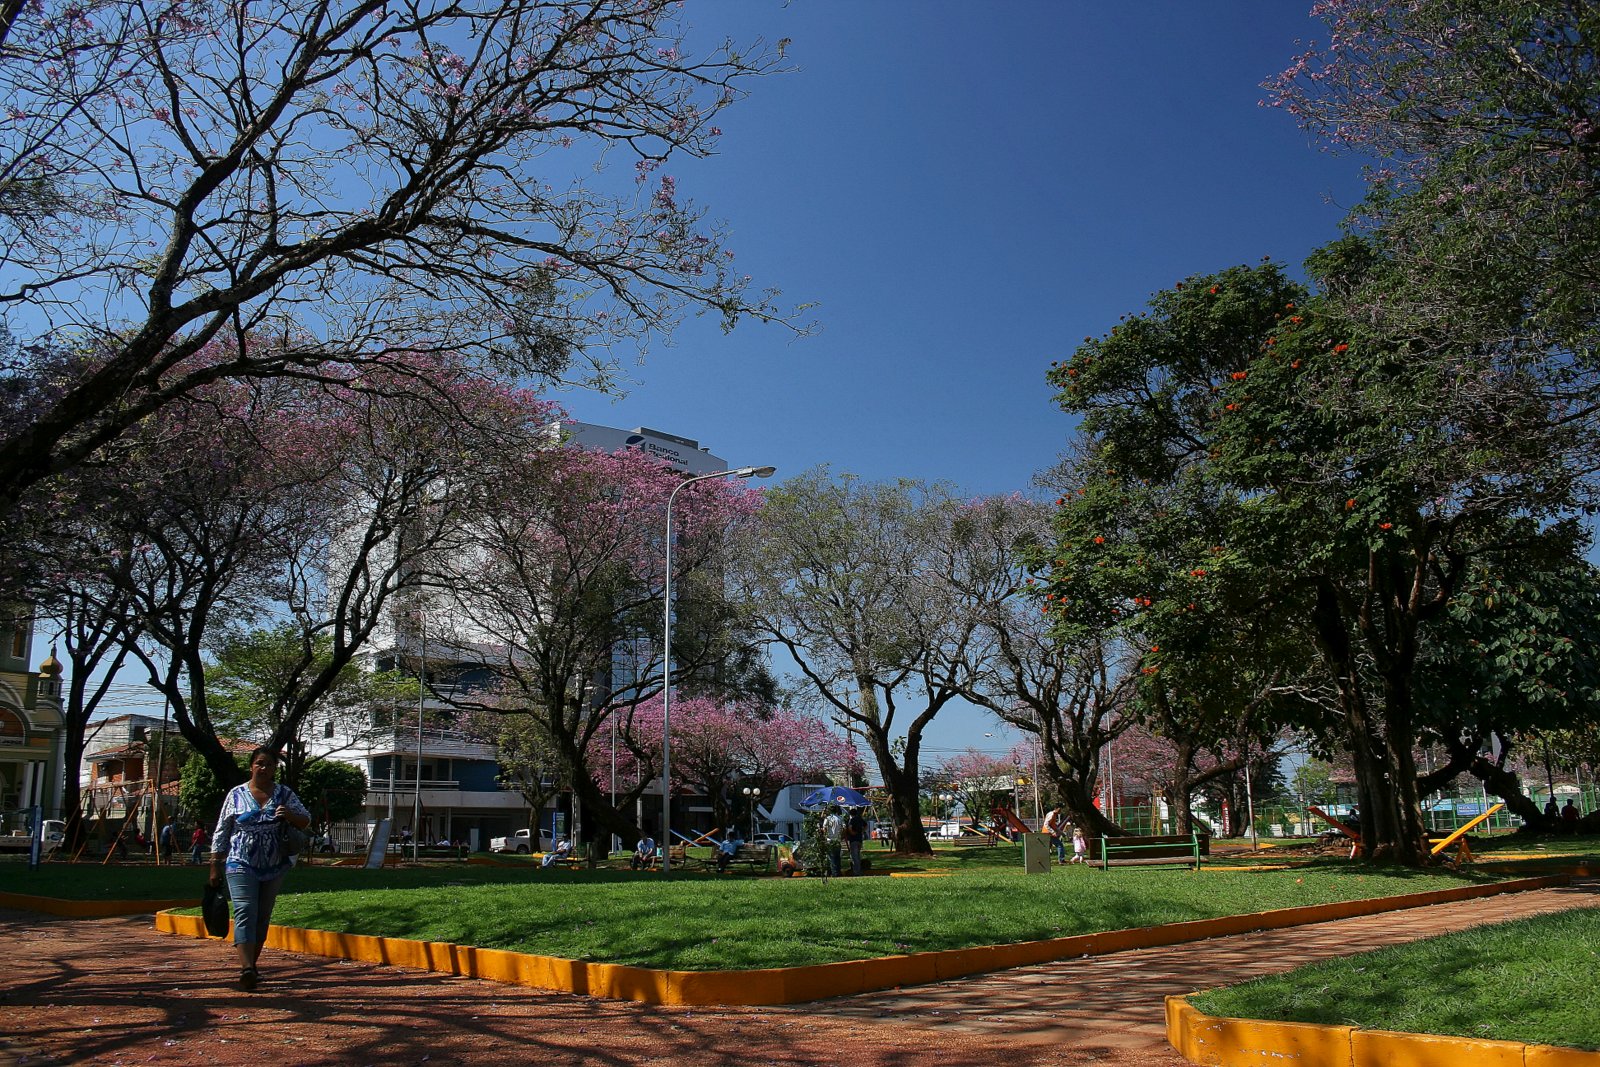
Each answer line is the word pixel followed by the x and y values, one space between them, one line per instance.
pixel 842 795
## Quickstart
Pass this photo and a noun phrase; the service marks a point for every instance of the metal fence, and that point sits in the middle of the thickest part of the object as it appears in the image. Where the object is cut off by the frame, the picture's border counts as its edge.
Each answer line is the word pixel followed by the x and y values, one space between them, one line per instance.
pixel 1294 820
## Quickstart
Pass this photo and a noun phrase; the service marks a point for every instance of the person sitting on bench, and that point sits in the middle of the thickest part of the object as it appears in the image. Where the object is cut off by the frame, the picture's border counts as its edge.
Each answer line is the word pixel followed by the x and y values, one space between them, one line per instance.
pixel 562 850
pixel 728 849
pixel 644 854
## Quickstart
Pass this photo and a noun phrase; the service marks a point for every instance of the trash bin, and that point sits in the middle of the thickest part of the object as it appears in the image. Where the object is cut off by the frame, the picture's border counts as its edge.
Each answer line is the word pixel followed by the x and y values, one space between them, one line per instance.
pixel 1036 854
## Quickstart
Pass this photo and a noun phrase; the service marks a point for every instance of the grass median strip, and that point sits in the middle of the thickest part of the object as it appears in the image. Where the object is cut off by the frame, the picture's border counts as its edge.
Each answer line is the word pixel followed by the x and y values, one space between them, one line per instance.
pixel 694 924
pixel 699 921
pixel 1528 980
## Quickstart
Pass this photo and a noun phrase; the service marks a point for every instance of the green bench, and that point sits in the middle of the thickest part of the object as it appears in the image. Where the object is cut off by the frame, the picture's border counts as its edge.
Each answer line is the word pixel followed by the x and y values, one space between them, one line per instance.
pixel 1167 850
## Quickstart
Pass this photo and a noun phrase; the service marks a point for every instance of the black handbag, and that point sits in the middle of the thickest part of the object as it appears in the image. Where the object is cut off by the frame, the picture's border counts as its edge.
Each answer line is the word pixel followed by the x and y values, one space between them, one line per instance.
pixel 292 840
pixel 216 909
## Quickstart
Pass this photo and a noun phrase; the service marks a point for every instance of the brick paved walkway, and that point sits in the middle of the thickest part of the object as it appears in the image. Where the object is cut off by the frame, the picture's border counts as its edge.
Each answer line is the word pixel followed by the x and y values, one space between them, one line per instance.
pixel 115 991
pixel 1116 1001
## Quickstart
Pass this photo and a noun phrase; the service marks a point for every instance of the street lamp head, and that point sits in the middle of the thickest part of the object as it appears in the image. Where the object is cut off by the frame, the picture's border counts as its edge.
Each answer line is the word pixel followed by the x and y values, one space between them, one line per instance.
pixel 755 472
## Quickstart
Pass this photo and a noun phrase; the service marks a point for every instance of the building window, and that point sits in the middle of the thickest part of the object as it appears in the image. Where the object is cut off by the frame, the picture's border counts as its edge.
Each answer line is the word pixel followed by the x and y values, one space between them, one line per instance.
pixel 327 731
pixel 19 640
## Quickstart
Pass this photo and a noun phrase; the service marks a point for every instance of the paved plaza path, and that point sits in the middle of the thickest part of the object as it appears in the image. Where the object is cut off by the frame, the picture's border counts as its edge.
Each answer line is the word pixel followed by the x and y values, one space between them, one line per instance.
pixel 115 991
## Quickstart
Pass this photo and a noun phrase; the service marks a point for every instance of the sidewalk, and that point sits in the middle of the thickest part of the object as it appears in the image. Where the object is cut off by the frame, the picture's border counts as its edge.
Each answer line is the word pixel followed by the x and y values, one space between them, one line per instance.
pixel 1116 1001
pixel 115 991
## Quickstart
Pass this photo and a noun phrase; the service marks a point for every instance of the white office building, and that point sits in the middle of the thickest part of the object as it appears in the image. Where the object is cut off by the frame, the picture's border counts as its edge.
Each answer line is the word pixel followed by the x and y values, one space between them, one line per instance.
pixel 459 797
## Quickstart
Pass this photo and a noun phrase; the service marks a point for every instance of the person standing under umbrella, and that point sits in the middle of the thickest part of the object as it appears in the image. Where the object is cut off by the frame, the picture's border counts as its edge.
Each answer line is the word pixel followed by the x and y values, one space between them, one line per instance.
pixel 832 830
pixel 855 832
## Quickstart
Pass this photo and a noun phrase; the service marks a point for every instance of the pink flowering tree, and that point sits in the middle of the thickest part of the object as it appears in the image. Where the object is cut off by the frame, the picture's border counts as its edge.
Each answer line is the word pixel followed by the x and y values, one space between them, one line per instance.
pixel 979 781
pixel 315 503
pixel 721 746
pixel 358 179
pixel 558 590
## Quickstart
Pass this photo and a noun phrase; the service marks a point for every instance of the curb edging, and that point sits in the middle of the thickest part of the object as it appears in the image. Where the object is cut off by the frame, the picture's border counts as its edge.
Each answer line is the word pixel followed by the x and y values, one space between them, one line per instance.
pixel 795 985
pixel 1220 1041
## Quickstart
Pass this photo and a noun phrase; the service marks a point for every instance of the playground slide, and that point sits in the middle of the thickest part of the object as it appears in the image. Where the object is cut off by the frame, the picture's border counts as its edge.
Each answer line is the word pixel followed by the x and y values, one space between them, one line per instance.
pixel 1012 826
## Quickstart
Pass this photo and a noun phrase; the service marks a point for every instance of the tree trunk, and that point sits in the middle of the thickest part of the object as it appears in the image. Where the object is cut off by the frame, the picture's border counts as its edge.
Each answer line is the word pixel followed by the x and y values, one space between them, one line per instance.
pixel 1079 802
pixel 1507 785
pixel 905 798
pixel 1179 791
pixel 1387 832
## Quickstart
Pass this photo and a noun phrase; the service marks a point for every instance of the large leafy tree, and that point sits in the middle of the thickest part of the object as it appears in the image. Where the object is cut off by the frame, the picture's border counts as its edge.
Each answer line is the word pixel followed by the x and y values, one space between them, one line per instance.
pixel 1516 667
pixel 358 179
pixel 1339 483
pixel 255 677
pixel 333 790
pixel 840 574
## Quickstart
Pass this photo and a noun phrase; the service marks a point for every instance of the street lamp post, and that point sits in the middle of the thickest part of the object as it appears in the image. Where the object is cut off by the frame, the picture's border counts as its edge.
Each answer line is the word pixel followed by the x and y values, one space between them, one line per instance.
pixel 666 659
pixel 422 692
pixel 752 796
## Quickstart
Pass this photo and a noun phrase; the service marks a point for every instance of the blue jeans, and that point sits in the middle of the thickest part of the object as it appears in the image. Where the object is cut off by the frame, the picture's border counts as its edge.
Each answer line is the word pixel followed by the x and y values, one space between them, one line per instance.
pixel 252 906
pixel 833 858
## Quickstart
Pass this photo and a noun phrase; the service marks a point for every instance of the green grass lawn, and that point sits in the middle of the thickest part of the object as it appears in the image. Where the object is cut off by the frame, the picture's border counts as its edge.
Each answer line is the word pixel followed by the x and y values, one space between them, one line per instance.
pixel 1530 980
pixel 699 921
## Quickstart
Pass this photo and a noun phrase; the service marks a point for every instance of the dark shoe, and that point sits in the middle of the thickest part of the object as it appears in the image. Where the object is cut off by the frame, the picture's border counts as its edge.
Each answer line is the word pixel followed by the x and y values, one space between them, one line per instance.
pixel 248 979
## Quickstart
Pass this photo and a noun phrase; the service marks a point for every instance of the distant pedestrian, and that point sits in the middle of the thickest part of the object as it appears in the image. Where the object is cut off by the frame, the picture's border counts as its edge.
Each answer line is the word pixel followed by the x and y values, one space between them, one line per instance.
pixel 169 842
pixel 1052 826
pixel 832 831
pixel 197 842
pixel 855 832
pixel 1080 847
pixel 1570 816
pixel 1552 811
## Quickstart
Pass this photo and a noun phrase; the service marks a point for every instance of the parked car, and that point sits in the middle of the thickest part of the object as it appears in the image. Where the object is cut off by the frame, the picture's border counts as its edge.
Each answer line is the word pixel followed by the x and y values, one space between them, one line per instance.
pixel 521 841
pixel 771 839
pixel 54 830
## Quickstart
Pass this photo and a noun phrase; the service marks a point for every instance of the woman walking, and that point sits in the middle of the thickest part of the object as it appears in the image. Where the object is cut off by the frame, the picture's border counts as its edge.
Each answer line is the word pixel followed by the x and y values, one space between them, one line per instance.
pixel 248 845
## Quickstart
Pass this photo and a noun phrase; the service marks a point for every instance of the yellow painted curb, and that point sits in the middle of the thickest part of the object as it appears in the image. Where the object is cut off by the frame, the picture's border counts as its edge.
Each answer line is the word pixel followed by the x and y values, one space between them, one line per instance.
pixel 1216 1041
pixel 795 985
pixel 90 909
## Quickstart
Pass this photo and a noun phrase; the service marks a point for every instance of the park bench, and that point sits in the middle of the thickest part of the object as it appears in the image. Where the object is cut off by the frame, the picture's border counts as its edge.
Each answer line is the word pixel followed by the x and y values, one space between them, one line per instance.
pixel 679 854
pixel 1168 850
pixel 757 857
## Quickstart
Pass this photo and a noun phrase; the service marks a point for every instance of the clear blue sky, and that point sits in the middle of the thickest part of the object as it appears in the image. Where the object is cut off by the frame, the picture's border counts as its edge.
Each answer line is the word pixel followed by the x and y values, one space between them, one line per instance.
pixel 967 190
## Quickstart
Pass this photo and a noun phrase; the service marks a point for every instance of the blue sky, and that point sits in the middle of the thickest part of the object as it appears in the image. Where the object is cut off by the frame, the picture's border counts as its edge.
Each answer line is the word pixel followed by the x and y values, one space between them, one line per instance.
pixel 966 191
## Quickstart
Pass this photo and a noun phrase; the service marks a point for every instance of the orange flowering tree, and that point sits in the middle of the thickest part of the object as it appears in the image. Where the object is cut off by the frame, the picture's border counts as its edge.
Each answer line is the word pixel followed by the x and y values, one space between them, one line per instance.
pixel 1280 510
